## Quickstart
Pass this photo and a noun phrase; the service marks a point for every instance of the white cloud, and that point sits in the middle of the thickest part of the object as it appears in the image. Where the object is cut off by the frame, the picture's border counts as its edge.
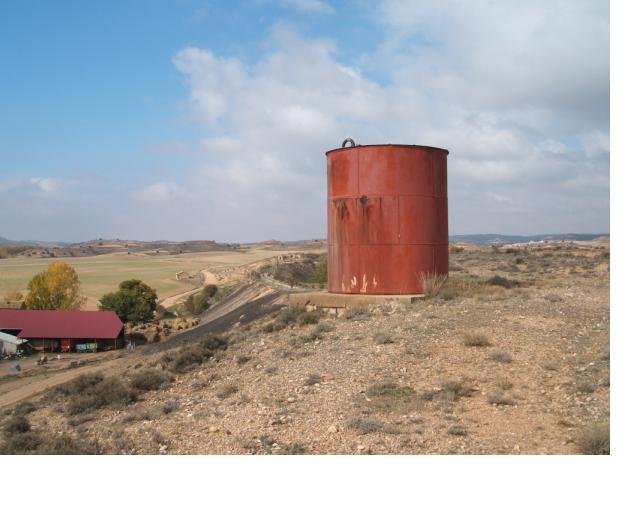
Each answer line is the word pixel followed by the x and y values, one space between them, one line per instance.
pixel 508 126
pixel 160 191
pixel 518 92
pixel 595 143
pixel 212 80
pixel 46 186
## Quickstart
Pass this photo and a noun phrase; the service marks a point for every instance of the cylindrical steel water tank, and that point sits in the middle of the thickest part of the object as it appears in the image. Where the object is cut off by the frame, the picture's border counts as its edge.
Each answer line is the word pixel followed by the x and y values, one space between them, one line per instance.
pixel 387 218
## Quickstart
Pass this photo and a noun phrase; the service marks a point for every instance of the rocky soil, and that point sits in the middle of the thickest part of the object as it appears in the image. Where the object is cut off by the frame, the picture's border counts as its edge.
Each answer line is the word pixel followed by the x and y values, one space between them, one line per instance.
pixel 518 367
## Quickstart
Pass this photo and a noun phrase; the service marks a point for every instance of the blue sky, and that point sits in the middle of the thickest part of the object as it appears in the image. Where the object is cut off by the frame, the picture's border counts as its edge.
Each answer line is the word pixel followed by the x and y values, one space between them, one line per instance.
pixel 200 119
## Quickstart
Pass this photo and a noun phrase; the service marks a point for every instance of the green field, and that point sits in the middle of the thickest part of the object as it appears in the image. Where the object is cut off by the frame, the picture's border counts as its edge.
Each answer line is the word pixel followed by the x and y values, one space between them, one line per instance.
pixel 102 274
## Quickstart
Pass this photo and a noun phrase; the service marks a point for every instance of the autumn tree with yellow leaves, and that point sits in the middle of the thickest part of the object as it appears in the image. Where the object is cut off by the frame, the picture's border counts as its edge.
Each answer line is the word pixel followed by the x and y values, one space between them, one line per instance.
pixel 58 287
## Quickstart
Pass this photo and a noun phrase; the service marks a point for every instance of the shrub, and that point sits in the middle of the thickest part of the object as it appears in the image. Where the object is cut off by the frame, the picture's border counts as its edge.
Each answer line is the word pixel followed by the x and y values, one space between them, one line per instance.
pixel 585 387
pixel 170 406
pixel 498 397
pixel 150 379
pixel 242 359
pixel 431 284
pixel 357 313
pixel 457 430
pixel 17 425
pixel 390 396
pixel 222 293
pixel 428 395
pixel 595 440
pixel 366 425
pixel 209 291
pixel 320 272
pixel 67 445
pixel 500 356
pixel 21 443
pixel 187 359
pixel 382 338
pixel 214 344
pixel 226 391
pixel 162 312
pixel 294 449
pixel 452 390
pixel 313 379
pixel 24 408
pixel 33 443
pixel 82 384
pixel 194 355
pixel 110 391
pixel 321 329
pixel 308 317
pixel 196 303
pixel 504 384
pixel 286 317
pixel 475 340
pixel 460 286
pixel 502 281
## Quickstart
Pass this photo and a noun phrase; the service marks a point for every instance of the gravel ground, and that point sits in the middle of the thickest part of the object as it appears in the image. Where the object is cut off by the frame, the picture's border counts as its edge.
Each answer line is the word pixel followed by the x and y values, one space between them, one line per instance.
pixel 395 379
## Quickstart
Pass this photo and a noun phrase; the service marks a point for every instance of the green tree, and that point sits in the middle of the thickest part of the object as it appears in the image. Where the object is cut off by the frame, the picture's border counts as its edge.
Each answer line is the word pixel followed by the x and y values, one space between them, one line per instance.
pixel 58 287
pixel 196 303
pixel 320 272
pixel 133 302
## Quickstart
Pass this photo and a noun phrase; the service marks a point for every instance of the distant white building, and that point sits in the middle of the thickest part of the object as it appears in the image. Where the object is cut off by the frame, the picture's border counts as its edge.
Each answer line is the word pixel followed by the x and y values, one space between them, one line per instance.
pixel 9 344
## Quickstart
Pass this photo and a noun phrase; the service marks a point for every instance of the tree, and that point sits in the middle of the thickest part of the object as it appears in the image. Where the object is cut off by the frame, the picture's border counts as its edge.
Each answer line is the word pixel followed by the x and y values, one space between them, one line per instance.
pixel 209 291
pixel 58 287
pixel 196 303
pixel 133 302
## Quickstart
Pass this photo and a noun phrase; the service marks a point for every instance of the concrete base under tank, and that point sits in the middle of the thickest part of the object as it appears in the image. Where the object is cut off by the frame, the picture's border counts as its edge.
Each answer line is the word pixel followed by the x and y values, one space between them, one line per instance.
pixel 345 300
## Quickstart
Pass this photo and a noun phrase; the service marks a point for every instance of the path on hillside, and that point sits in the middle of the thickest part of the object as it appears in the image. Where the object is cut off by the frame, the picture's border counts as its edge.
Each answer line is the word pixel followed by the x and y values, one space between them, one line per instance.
pixel 245 304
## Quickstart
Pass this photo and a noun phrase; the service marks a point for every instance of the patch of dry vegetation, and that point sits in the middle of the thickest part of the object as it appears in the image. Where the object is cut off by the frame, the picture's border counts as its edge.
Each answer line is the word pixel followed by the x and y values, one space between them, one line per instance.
pixel 595 440
pixel 475 339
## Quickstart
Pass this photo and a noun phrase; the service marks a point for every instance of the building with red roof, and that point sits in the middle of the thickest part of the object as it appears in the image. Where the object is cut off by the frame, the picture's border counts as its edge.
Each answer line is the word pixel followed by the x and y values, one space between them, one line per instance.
pixel 64 330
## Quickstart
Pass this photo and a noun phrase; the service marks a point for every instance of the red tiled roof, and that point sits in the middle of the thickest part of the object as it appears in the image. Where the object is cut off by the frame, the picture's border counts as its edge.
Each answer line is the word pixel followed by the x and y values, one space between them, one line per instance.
pixel 62 324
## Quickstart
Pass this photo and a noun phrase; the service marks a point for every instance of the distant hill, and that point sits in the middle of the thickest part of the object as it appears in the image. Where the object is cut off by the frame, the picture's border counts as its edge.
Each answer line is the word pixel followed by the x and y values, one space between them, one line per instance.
pixel 102 246
pixel 515 239
pixel 31 243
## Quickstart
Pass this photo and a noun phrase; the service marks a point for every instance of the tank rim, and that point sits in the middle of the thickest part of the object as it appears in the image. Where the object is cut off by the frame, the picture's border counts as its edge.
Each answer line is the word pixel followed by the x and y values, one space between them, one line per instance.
pixel 416 146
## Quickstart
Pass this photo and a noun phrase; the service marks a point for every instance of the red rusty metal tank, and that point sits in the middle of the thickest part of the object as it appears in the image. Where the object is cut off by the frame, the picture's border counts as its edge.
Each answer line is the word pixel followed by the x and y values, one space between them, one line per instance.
pixel 387 218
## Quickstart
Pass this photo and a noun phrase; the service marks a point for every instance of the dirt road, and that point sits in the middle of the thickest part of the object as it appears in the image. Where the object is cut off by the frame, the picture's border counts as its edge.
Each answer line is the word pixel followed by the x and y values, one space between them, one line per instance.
pixel 16 390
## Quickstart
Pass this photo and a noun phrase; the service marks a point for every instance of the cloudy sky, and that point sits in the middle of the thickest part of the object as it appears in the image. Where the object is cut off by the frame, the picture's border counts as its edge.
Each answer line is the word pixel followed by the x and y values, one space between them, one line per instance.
pixel 184 119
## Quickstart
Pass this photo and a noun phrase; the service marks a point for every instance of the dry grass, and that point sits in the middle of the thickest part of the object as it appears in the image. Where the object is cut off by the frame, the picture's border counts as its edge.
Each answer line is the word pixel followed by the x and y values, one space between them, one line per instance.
pixel 382 338
pixel 313 379
pixel 500 356
pixel 498 397
pixel 226 391
pixel 457 430
pixel 595 440
pixel 357 313
pixel 475 339
pixel 109 392
pixel 150 379
pixel 366 425
pixel 431 284
pixel 453 389
pixel 462 286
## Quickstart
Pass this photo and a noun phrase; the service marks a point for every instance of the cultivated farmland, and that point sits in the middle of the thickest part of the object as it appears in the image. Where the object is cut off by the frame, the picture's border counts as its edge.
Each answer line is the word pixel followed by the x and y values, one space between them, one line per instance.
pixel 101 274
